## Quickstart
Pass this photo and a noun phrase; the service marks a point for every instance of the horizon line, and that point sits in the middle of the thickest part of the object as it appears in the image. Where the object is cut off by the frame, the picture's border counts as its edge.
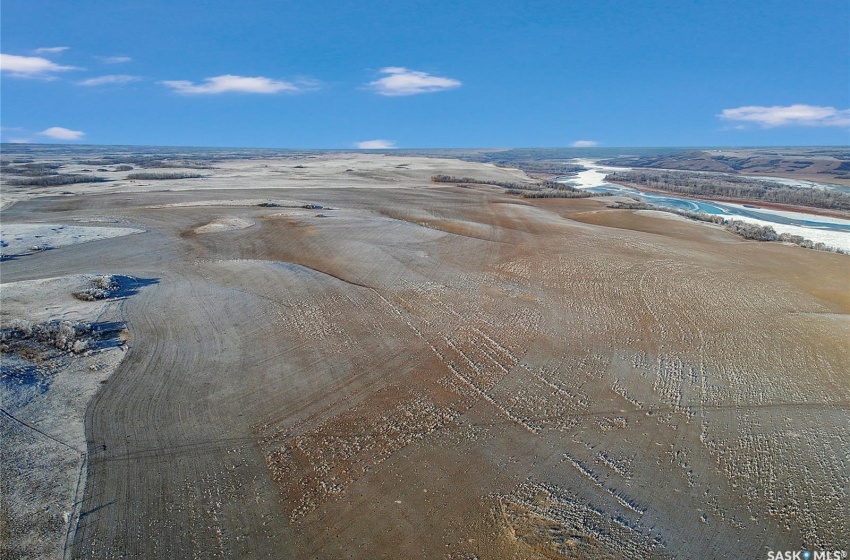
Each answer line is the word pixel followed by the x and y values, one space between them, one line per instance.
pixel 401 149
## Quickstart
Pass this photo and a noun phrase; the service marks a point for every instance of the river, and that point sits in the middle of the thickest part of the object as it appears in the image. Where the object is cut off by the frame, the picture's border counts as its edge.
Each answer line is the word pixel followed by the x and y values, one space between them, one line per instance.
pixel 834 232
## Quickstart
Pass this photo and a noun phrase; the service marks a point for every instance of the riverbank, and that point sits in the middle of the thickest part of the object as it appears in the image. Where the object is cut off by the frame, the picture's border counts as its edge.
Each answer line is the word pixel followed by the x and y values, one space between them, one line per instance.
pixel 754 204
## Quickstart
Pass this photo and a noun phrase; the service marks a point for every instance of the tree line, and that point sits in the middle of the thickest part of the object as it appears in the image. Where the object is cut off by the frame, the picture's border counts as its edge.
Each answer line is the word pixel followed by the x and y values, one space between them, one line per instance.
pixel 162 176
pixel 54 180
pixel 546 189
pixel 730 187
pixel 746 230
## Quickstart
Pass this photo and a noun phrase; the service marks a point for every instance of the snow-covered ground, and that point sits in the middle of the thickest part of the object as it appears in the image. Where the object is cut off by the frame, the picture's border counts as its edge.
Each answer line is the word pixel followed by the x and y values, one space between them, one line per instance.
pixel 224 224
pixel 19 239
pixel 593 177
pixel 797 182
pixel 833 238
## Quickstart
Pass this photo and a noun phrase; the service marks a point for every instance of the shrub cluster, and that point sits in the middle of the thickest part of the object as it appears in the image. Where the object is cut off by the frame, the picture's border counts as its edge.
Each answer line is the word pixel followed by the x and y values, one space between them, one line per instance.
pixel 147 162
pixel 151 176
pixel 101 288
pixel 752 231
pixel 557 193
pixel 767 233
pixel 547 189
pixel 473 181
pixel 54 180
pixel 31 169
pixel 632 205
pixel 744 229
pixel 68 336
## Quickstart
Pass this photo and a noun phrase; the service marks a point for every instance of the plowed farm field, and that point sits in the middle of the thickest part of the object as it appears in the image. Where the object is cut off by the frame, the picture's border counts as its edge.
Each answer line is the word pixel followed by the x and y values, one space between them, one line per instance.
pixel 346 360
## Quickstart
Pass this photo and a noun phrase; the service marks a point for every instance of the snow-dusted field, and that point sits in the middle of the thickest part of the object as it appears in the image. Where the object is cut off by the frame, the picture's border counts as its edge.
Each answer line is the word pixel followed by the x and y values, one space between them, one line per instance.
pixel 414 370
pixel 19 239
pixel 224 224
pixel 44 455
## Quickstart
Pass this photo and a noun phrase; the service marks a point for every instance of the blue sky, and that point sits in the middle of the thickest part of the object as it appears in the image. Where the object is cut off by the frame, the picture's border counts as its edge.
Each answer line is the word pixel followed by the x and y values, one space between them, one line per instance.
pixel 333 74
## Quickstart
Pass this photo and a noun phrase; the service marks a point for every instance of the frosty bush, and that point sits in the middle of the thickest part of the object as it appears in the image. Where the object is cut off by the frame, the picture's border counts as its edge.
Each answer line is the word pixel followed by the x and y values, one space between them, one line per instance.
pixel 101 288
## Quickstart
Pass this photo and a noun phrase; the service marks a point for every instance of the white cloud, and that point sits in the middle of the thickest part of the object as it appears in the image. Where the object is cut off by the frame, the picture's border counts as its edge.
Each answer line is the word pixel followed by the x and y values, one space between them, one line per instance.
pixel 401 81
pixel 59 133
pixel 5 130
pixel 375 145
pixel 50 50
pixel 791 115
pixel 229 83
pixel 584 144
pixel 114 59
pixel 111 79
pixel 305 83
pixel 30 66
